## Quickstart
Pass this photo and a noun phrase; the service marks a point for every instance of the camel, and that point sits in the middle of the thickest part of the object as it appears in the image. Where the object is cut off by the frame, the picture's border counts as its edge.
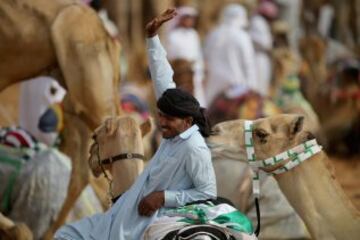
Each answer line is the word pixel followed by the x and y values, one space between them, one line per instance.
pixel 272 224
pixel 345 29
pixel 119 138
pixel 286 87
pixel 323 92
pixel 67 40
pixel 311 187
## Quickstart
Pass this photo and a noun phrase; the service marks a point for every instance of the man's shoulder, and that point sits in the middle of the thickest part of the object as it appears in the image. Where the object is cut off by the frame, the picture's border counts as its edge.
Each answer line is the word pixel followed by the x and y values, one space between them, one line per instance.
pixel 196 140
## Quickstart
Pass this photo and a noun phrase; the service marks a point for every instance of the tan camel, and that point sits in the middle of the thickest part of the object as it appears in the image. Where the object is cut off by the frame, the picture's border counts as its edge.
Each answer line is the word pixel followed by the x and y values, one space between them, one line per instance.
pixel 67 39
pixel 311 187
pixel 11 231
pixel 344 112
pixel 119 138
pixel 286 87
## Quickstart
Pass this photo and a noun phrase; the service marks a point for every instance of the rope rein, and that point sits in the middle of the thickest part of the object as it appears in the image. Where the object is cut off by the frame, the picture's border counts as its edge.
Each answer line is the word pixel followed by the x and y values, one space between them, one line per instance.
pixel 108 179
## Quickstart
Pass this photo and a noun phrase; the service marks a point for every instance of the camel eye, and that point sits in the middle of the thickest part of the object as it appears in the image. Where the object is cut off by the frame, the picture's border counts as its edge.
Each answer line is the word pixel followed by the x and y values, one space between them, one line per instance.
pixel 262 135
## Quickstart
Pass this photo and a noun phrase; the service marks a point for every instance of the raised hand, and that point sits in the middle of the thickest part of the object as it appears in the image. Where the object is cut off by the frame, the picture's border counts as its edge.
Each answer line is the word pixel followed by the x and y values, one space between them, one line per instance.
pixel 153 26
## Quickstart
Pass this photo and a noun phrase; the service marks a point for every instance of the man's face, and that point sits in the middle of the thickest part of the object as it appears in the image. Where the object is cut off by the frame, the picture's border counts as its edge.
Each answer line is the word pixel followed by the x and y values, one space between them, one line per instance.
pixel 187 21
pixel 171 126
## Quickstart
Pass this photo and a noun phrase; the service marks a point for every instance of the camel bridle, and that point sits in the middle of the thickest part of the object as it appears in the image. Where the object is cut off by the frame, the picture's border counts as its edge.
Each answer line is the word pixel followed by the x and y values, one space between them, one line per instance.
pixel 281 163
pixel 110 160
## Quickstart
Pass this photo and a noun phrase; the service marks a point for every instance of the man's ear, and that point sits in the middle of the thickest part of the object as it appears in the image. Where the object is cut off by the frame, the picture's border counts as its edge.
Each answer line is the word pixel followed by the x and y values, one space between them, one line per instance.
pixel 147 126
pixel 189 121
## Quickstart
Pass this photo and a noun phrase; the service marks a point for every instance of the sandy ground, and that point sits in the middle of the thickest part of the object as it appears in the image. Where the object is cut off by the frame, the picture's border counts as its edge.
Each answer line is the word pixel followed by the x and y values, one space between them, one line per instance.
pixel 347 171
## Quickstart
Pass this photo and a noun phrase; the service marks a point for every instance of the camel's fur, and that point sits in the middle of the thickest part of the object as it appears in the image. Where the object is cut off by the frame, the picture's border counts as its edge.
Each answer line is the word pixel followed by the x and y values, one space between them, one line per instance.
pixel 310 188
pixel 115 136
pixel 336 117
pixel 286 65
pixel 67 39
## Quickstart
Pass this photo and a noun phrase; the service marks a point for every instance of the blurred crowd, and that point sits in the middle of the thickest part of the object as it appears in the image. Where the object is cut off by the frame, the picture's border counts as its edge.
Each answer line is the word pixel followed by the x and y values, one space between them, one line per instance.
pixel 259 58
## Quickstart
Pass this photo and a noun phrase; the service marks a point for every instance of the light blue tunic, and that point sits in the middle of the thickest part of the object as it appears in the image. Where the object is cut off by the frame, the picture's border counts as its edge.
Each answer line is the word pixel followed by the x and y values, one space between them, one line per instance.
pixel 181 167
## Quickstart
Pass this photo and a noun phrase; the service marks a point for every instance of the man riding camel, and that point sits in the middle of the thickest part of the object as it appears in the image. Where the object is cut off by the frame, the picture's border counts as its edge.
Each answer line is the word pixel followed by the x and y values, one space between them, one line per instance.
pixel 181 170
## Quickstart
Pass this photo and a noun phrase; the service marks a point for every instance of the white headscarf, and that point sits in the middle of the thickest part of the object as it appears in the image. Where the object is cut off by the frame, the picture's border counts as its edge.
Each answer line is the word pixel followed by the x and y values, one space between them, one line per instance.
pixel 236 15
pixel 181 12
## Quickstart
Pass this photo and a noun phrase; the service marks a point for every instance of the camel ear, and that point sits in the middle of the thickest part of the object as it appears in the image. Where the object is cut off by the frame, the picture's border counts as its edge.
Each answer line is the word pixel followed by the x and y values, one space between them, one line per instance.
pixel 261 135
pixel 111 125
pixel 147 126
pixel 297 125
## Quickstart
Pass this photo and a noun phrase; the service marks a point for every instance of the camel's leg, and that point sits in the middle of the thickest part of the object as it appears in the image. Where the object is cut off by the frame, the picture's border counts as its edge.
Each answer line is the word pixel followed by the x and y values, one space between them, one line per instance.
pixel 10 231
pixel 76 136
pixel 88 58
pixel 5 222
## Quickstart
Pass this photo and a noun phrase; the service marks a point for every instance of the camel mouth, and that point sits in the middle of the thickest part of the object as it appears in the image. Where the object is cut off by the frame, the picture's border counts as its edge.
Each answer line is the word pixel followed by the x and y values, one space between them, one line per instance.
pixel 309 136
pixel 212 145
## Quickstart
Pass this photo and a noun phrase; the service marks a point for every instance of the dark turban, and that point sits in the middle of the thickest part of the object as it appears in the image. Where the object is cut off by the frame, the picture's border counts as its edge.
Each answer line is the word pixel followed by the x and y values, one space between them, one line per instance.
pixel 179 103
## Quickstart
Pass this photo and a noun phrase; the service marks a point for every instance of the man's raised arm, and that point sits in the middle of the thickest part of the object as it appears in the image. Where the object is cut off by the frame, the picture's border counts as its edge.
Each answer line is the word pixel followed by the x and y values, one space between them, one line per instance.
pixel 160 69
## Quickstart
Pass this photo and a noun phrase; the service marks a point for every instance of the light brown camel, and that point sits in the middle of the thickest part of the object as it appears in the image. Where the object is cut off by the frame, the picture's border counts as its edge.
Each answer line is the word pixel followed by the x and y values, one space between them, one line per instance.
pixel 345 25
pixel 67 39
pixel 320 91
pixel 119 140
pixel 286 87
pixel 311 187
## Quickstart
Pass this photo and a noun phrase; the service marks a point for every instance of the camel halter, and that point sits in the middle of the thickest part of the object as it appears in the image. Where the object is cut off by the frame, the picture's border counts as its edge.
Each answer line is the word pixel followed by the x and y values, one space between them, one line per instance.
pixel 295 156
pixel 110 160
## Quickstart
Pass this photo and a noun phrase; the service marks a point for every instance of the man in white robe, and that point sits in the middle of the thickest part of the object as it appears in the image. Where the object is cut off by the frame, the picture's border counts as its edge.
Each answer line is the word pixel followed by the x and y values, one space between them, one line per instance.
pixel 183 42
pixel 263 42
pixel 229 54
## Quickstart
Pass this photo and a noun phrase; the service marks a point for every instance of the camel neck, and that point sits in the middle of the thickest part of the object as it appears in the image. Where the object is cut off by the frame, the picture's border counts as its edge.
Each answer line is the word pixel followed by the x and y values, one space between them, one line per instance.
pixel 318 198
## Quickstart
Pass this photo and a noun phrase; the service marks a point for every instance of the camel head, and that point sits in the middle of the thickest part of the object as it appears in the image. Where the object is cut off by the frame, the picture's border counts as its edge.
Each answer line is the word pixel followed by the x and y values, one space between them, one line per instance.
pixel 285 62
pixel 271 135
pixel 116 135
pixel 313 48
pixel 285 65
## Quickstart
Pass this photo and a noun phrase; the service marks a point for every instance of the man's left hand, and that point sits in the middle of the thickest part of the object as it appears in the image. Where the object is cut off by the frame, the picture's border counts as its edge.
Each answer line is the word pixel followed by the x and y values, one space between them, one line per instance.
pixel 152 202
pixel 153 26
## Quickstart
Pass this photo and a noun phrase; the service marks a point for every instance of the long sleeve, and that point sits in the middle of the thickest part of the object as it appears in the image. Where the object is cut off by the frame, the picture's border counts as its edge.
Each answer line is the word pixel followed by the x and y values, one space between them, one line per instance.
pixel 160 69
pixel 200 169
